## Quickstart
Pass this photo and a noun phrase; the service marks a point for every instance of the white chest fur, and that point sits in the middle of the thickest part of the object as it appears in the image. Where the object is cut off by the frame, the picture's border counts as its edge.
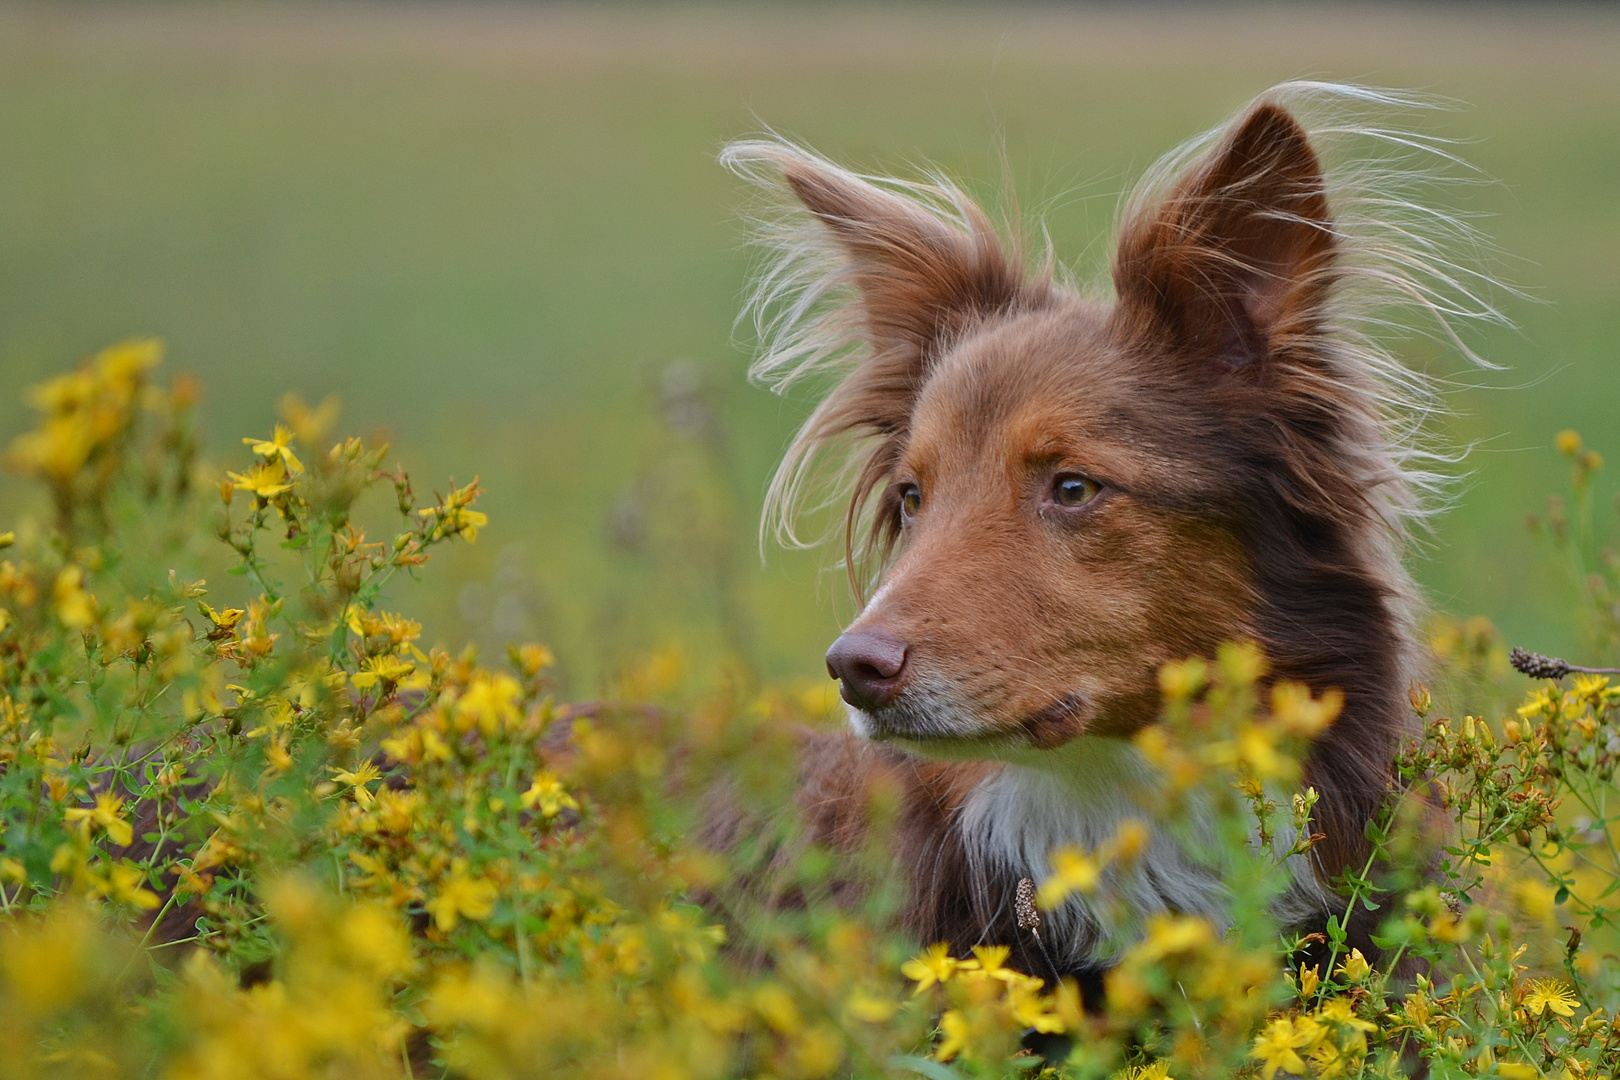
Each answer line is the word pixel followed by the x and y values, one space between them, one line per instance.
pixel 1077 797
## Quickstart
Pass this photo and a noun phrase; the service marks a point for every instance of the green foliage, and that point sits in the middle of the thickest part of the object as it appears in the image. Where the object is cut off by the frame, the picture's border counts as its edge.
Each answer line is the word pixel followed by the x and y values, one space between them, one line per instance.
pixel 256 830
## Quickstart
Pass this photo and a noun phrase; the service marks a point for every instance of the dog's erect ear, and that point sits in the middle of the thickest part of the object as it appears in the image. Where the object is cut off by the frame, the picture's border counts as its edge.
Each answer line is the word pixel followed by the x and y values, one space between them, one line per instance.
pixel 920 279
pixel 1235 262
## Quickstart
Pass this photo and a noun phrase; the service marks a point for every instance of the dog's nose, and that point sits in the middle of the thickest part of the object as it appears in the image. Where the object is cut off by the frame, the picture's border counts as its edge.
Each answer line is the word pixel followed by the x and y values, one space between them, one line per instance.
pixel 869 666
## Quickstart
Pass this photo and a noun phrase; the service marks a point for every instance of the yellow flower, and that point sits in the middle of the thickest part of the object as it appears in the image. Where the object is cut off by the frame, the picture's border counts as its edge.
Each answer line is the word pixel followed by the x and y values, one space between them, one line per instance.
pixel 1517 1070
pixel 1542 702
pixel 936 965
pixel 374 936
pixel 533 658
pixel 491 702
pixel 1309 979
pixel 547 791
pixel 869 1007
pixel 1168 935
pixel 107 813
pixel 1278 1047
pixel 1302 715
pixel 74 606
pixel 1355 967
pixel 265 481
pixel 1341 1013
pixel 460 895
pixel 358 779
pixel 956 1030
pixel 1419 1010
pixel 778 1009
pixel 123 884
pixel 1181 680
pixel 1568 442
pixel 1158 1070
pixel 1072 871
pixel 456 516
pixel 384 669
pixel 1550 995
pixel 277 447
pixel 1594 689
pixel 1031 1008
pixel 992 961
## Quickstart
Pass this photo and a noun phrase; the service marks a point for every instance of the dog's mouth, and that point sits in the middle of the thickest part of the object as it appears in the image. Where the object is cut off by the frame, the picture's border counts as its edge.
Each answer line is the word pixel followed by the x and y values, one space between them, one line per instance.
pixel 1047 728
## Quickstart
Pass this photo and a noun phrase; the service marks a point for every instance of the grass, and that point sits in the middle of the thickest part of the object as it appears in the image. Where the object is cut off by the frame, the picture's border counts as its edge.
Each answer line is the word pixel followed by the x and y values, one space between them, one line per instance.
pixel 515 214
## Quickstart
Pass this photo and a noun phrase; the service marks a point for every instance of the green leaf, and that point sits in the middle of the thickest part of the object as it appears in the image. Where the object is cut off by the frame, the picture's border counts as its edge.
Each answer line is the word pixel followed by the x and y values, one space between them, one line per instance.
pixel 922 1066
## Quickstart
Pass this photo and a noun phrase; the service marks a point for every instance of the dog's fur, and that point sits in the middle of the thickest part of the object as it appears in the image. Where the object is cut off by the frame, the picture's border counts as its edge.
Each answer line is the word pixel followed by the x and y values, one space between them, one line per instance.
pixel 1256 462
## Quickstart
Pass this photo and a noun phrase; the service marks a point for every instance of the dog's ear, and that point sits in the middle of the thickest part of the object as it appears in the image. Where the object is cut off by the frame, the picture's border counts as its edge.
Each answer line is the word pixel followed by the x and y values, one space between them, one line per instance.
pixel 919 279
pixel 1234 264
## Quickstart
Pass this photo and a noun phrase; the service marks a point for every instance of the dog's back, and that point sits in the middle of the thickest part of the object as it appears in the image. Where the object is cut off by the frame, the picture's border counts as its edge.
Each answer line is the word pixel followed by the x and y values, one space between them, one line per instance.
pixel 1058 493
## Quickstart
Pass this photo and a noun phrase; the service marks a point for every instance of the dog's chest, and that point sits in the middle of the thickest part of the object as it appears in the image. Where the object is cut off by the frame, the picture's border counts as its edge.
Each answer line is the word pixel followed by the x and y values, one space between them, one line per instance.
pixel 1013 820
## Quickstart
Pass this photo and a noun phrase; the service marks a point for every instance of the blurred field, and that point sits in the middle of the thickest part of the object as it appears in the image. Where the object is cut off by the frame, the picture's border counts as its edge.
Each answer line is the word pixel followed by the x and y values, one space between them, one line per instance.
pixel 499 234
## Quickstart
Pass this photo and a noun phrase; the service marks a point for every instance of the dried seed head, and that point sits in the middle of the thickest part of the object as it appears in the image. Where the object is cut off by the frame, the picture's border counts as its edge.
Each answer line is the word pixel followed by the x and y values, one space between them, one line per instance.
pixel 1537 666
pixel 1028 917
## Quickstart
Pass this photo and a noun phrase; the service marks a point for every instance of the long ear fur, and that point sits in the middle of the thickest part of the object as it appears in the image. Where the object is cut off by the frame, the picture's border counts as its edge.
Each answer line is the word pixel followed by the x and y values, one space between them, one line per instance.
pixel 1237 259
pixel 874 282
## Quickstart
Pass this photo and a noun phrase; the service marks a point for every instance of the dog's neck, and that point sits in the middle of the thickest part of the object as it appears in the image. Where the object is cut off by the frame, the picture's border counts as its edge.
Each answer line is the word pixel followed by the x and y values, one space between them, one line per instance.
pixel 1021 812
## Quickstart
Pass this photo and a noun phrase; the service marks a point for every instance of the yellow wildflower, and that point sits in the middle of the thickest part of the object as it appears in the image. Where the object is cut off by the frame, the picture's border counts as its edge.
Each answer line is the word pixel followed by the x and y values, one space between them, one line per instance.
pixel 124 885
pixel 481 997
pixel 1168 935
pixel 265 481
pixel 357 779
pixel 870 1008
pixel 277 446
pixel 491 702
pixel 1568 442
pixel 1517 1070
pixel 1072 871
pixel 547 792
pixel 992 960
pixel 934 965
pixel 375 937
pixel 74 606
pixel 1550 995
pixel 1278 1047
pixel 1592 687
pixel 956 1031
pixel 1158 1070
pixel 1031 1008
pixel 533 658
pixel 778 1009
pixel 385 669
pixel 462 896
pixel 1301 714
pixel 1355 967
pixel 456 516
pixel 1309 979
pixel 1181 680
pixel 107 813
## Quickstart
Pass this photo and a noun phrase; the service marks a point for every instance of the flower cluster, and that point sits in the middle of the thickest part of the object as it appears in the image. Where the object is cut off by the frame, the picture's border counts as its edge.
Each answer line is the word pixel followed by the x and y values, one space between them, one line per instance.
pixel 253 824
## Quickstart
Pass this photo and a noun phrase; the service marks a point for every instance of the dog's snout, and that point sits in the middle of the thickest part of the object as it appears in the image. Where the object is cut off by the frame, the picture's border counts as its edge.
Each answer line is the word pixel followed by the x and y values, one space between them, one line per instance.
pixel 870 667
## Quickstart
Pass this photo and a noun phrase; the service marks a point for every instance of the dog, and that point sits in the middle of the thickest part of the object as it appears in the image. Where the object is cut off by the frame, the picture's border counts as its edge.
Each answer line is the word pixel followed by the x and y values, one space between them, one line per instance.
pixel 1056 491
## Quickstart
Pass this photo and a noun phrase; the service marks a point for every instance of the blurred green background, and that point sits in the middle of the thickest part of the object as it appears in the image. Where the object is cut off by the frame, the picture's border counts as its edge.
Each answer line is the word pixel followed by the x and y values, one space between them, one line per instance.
pixel 499 234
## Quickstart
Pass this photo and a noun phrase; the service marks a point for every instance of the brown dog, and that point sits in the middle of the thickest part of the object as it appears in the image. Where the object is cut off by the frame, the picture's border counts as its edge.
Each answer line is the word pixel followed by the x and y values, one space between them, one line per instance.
pixel 1061 492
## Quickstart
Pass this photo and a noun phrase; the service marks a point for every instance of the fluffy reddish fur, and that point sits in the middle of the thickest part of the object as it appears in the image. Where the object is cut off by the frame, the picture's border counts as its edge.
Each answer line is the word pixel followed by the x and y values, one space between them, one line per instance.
pixel 1252 483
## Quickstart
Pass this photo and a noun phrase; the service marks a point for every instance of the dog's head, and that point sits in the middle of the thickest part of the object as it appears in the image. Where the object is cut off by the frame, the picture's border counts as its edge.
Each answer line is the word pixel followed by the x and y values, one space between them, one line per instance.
pixel 1066 492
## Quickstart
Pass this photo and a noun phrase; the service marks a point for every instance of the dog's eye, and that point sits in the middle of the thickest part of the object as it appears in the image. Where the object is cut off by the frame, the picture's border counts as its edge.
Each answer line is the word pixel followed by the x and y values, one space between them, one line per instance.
pixel 1071 489
pixel 910 501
